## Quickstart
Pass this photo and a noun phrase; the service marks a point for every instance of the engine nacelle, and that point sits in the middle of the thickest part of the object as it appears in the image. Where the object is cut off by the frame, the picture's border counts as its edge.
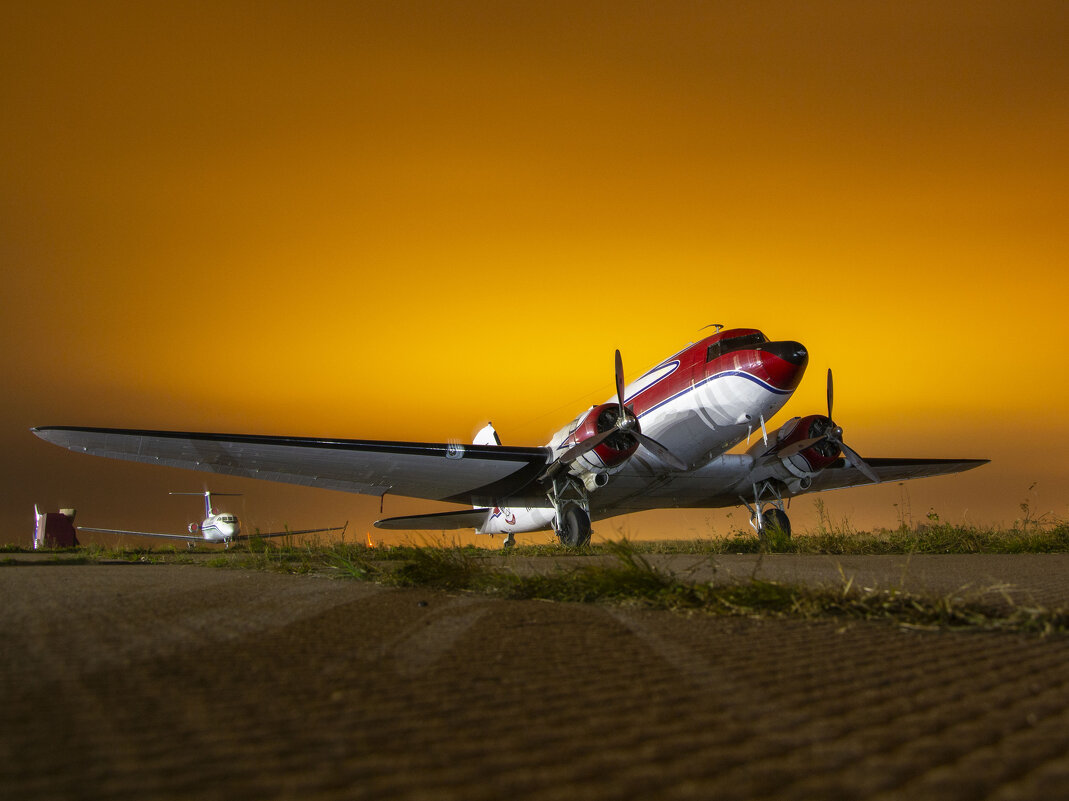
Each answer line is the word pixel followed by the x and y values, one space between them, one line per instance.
pixel 805 464
pixel 594 466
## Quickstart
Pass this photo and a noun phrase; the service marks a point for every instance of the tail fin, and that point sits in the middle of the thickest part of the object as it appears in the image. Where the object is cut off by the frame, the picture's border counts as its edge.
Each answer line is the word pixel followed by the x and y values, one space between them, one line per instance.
pixel 207 498
pixel 487 436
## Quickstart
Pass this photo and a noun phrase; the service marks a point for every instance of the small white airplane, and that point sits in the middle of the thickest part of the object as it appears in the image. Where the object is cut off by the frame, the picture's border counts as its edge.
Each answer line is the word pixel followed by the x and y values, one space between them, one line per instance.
pixel 216 527
pixel 661 442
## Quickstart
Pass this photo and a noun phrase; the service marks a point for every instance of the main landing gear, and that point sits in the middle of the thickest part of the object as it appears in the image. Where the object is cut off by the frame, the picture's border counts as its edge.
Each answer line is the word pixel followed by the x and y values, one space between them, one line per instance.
pixel 570 502
pixel 574 530
pixel 772 521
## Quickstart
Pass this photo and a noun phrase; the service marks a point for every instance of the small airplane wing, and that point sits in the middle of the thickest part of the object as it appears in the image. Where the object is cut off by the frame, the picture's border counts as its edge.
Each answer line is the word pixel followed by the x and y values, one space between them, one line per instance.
pixel 185 537
pixel 268 535
pixel 841 474
pixel 476 475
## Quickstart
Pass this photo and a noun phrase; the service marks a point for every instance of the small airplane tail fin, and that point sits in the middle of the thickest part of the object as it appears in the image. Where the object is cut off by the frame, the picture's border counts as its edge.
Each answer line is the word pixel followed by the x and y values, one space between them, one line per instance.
pixel 487 436
pixel 207 498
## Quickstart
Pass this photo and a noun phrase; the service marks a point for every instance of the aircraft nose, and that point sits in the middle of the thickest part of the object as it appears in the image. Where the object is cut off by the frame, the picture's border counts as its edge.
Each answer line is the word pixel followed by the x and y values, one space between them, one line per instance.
pixel 790 352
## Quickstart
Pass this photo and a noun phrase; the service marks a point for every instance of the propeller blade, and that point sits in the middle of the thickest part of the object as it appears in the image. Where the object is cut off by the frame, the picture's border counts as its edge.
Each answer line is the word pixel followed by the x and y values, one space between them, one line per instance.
pixel 620 379
pixel 661 452
pixel 585 446
pixel 830 394
pixel 795 447
pixel 858 462
pixel 574 452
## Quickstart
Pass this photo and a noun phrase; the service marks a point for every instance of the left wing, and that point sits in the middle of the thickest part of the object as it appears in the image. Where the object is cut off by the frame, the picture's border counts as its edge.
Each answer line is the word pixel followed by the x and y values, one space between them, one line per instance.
pixel 841 474
pixel 477 475
pixel 186 537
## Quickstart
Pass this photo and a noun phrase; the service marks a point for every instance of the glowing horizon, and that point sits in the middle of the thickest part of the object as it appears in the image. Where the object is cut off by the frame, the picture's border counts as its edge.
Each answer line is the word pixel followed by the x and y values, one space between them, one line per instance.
pixel 397 221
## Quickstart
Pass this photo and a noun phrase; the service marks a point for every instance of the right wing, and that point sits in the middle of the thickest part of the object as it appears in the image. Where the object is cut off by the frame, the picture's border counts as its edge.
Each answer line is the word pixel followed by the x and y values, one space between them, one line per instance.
pixel 475 475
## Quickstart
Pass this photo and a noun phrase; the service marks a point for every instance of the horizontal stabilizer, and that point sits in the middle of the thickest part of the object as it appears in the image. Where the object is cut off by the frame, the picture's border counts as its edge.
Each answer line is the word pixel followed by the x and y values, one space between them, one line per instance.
pixel 442 521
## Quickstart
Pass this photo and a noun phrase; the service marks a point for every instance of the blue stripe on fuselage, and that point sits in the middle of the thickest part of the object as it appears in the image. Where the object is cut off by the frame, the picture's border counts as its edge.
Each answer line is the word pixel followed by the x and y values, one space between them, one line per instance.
pixel 725 374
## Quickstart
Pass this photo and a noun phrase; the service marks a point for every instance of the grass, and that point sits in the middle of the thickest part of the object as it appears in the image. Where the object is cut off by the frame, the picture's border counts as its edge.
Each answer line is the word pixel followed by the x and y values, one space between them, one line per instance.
pixel 937 538
pixel 625 575
pixel 838 540
pixel 630 578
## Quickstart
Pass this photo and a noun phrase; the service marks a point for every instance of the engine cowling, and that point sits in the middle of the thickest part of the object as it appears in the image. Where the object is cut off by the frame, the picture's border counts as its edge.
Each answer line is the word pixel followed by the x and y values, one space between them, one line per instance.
pixel 614 451
pixel 816 457
pixel 595 466
pixel 800 466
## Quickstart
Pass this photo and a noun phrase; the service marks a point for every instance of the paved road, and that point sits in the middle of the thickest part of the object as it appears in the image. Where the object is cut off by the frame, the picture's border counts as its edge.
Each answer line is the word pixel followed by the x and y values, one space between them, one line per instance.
pixel 166 681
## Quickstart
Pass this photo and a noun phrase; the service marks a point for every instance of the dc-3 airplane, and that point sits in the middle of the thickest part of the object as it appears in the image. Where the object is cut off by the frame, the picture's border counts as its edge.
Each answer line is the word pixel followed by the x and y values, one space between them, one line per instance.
pixel 215 527
pixel 661 442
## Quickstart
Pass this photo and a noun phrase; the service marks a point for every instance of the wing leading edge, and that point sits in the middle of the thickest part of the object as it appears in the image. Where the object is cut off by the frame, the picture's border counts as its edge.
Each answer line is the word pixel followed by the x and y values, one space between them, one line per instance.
pixel 186 537
pixel 478 475
pixel 198 538
pixel 840 474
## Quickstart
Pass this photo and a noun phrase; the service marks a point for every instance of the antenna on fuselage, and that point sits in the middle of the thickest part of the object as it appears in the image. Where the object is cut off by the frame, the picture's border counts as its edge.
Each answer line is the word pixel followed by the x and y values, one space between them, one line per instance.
pixel 717 326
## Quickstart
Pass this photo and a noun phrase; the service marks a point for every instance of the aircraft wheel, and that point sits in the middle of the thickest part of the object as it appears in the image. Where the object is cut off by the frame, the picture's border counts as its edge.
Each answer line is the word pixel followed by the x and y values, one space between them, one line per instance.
pixel 575 529
pixel 509 541
pixel 775 522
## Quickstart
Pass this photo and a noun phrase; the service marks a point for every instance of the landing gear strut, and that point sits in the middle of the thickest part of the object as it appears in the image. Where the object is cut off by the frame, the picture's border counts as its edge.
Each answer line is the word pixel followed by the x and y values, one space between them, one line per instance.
pixel 569 500
pixel 772 520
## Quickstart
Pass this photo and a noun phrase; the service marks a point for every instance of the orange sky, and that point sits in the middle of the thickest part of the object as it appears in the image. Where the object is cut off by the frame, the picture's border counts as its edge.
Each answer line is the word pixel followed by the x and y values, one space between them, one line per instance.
pixel 399 220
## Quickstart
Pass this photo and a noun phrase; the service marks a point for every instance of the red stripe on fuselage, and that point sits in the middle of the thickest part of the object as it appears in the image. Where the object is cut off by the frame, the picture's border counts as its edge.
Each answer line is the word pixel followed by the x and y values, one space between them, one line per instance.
pixel 693 369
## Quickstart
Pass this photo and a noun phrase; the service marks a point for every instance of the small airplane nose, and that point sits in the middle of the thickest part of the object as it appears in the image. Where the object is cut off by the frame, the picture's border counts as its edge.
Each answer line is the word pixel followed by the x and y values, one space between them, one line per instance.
pixel 791 352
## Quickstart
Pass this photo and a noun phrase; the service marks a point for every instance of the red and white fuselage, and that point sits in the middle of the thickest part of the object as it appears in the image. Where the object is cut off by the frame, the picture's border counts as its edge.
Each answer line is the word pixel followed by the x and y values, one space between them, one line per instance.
pixel 698 403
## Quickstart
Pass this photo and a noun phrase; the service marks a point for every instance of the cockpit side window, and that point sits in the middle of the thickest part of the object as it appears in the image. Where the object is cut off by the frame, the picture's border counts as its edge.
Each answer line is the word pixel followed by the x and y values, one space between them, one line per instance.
pixel 744 342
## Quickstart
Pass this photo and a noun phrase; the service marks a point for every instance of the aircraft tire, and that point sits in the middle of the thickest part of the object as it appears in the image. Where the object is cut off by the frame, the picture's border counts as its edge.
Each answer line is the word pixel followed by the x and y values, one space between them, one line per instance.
pixel 775 520
pixel 575 529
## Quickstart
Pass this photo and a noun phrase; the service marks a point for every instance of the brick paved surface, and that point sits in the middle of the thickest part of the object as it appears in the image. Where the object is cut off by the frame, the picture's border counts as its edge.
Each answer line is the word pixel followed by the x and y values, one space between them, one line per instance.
pixel 165 681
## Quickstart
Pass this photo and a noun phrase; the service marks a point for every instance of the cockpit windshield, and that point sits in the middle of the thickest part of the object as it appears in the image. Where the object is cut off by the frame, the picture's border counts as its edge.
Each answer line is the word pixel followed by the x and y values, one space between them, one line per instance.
pixel 744 342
